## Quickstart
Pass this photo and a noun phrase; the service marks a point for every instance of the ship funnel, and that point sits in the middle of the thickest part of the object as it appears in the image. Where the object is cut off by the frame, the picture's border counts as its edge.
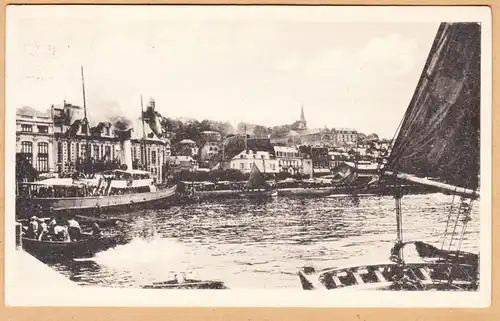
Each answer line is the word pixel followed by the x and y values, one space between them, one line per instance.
pixel 125 146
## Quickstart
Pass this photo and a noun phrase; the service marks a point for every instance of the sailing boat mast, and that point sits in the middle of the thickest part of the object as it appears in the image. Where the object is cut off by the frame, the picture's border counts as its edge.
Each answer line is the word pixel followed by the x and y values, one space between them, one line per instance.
pixel 144 153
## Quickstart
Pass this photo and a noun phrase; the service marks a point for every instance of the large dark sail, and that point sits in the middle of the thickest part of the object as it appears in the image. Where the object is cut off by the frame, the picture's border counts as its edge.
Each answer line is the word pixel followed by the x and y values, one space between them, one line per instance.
pixel 256 179
pixel 439 136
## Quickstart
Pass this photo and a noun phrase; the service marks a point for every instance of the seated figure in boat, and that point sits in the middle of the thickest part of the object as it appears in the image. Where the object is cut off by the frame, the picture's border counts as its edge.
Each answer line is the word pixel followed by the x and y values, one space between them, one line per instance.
pixel 61 233
pixel 74 229
pixel 52 224
pixel 96 230
pixel 43 231
pixel 32 231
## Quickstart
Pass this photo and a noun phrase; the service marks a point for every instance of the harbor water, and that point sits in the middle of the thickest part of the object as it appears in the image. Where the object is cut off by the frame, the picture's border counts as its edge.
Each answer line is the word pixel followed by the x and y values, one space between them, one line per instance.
pixel 261 245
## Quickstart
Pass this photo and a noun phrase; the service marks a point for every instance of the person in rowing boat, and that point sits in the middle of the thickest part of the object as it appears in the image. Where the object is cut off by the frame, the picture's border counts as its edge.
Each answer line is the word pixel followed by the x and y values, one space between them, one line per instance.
pixel 43 231
pixel 60 234
pixel 52 224
pixel 32 231
pixel 74 229
pixel 96 230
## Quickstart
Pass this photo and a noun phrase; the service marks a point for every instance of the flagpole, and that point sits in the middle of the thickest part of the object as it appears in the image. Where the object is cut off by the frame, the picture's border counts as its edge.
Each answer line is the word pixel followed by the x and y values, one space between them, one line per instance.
pixel 144 153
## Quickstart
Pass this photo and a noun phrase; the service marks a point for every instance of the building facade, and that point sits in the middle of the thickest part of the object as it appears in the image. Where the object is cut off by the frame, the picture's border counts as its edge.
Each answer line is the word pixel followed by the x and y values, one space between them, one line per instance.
pixel 289 159
pixel 61 140
pixel 264 161
pixel 35 138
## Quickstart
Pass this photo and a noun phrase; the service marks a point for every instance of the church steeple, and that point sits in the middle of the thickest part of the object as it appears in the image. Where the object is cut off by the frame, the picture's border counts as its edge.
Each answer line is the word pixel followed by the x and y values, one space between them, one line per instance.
pixel 302 117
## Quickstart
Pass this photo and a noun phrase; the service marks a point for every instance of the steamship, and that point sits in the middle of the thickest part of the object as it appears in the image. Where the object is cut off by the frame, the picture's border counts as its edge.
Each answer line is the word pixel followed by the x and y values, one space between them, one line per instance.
pixel 110 191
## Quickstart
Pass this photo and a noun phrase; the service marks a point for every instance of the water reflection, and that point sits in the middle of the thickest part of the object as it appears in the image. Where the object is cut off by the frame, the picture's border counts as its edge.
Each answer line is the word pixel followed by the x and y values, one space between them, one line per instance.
pixel 248 244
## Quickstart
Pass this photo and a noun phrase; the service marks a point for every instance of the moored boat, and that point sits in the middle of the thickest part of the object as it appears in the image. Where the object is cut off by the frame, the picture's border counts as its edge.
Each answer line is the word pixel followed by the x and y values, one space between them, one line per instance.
pixel 180 282
pixel 86 247
pixel 438 138
pixel 257 187
pixel 108 192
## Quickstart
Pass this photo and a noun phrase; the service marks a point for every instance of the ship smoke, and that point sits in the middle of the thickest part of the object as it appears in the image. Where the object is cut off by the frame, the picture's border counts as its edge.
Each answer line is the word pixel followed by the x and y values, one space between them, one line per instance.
pixel 121 122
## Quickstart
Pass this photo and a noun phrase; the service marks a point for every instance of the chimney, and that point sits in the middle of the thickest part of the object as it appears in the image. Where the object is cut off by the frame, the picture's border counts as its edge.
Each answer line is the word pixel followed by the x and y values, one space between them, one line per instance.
pixel 125 146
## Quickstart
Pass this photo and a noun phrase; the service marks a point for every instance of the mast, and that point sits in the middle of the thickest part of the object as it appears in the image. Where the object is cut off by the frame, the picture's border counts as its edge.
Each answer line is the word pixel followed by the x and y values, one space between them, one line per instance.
pixel 84 100
pixel 144 153
pixel 85 119
pixel 246 138
pixel 312 163
pixel 399 222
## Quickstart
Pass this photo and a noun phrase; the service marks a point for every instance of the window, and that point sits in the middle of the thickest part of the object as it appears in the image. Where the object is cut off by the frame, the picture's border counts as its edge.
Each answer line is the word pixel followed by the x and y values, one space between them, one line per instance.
pixel 153 157
pixel 107 151
pixel 43 129
pixel 242 165
pixel 59 152
pixel 27 147
pixel 42 163
pixel 273 166
pixel 96 151
pixel 106 131
pixel 43 148
pixel 26 128
pixel 84 151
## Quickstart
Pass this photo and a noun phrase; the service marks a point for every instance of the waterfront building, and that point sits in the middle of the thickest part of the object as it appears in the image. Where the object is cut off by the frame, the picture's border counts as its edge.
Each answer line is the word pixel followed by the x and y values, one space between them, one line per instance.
pixel 244 161
pixel 157 150
pixel 316 160
pixel 289 159
pixel 76 140
pixel 35 138
pixel 179 163
pixel 240 152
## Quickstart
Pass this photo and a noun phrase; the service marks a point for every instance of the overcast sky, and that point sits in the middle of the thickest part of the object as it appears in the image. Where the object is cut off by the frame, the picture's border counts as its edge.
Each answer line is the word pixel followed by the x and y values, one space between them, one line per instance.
pixel 218 63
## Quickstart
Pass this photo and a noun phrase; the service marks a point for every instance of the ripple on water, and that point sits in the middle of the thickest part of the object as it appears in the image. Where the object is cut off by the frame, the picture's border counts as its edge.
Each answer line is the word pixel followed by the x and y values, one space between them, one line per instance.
pixel 251 245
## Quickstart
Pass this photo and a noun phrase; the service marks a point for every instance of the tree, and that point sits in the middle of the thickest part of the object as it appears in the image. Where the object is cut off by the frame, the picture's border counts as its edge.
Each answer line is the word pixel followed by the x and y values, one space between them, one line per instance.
pixel 261 131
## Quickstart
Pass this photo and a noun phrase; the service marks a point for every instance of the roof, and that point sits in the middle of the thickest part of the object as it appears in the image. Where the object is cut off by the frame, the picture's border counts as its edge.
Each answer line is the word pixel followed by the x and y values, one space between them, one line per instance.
pixel 363 166
pixel 187 141
pixel 236 144
pixel 285 149
pixel 344 129
pixel 32 112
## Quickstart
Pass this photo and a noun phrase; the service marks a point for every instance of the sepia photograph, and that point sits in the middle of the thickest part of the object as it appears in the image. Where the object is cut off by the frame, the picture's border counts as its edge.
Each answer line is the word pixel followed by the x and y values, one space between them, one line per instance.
pixel 248 155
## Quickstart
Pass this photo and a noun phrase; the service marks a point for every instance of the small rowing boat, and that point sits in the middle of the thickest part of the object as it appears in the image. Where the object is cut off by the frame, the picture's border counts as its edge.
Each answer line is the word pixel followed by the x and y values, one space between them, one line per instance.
pixel 86 247
pixel 180 282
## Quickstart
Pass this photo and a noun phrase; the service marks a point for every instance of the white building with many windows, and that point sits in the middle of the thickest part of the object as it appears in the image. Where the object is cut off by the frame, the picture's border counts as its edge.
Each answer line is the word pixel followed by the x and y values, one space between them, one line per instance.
pixel 289 159
pixel 34 138
pixel 265 161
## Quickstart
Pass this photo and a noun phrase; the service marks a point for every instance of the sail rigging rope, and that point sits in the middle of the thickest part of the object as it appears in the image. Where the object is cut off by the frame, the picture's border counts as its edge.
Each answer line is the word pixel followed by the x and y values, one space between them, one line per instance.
pixel 455 226
pixel 449 218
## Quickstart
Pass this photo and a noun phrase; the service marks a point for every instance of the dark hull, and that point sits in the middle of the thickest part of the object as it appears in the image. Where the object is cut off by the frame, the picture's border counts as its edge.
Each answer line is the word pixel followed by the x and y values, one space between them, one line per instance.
pixel 257 194
pixel 187 285
pixel 51 250
pixel 96 205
